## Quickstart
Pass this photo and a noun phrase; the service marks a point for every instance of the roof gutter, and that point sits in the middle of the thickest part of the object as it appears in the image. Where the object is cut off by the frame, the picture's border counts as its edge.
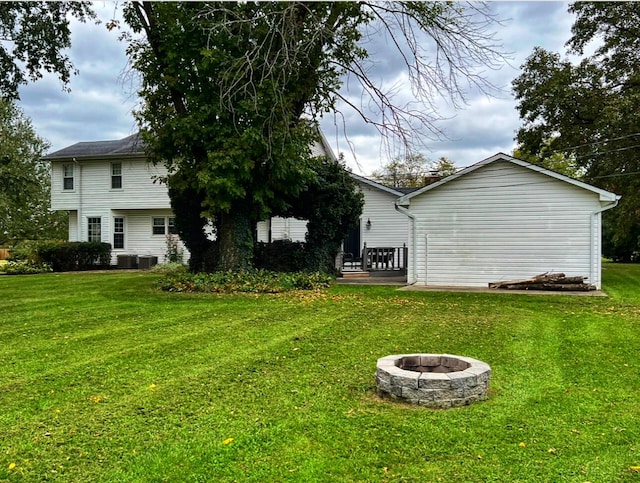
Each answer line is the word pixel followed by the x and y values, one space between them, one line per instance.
pixel 596 241
pixel 412 217
pixel 97 157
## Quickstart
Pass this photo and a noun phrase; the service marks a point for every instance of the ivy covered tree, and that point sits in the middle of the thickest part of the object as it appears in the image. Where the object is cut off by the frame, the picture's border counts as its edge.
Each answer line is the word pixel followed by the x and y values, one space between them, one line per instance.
pixel 587 112
pixel 33 37
pixel 332 204
pixel 232 92
pixel 24 182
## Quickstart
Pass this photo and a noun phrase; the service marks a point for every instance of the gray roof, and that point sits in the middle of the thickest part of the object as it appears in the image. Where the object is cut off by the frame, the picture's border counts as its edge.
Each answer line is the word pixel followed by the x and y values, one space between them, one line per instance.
pixel 131 145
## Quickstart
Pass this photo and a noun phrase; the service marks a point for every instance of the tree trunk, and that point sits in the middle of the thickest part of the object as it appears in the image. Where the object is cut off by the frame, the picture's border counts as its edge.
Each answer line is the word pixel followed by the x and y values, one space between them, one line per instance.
pixel 187 207
pixel 235 240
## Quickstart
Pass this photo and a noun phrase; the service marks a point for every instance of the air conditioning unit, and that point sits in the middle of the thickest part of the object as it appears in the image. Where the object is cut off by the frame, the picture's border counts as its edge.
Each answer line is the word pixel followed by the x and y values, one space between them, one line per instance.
pixel 127 261
pixel 146 262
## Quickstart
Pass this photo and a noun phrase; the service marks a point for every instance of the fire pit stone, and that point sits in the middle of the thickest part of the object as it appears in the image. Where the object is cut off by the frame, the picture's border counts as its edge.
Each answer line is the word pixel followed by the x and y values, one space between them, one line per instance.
pixel 433 380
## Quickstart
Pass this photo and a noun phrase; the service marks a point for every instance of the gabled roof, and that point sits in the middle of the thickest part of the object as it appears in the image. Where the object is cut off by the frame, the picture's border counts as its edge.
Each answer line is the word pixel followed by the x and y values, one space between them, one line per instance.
pixel 604 195
pixel 131 145
pixel 375 184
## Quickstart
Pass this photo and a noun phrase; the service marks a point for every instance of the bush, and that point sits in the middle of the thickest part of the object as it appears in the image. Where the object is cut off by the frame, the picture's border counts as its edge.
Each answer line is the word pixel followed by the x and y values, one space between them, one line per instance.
pixel 169 268
pixel 27 250
pixel 258 281
pixel 280 256
pixel 64 256
pixel 25 267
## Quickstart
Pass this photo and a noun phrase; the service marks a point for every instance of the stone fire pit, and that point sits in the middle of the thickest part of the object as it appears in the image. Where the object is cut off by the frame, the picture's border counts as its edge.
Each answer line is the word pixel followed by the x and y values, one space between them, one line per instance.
pixel 433 380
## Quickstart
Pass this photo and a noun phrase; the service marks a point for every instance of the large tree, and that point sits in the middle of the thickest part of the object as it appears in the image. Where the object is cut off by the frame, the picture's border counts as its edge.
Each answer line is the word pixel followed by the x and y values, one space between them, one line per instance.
pixel 588 111
pixel 24 181
pixel 232 91
pixel 33 39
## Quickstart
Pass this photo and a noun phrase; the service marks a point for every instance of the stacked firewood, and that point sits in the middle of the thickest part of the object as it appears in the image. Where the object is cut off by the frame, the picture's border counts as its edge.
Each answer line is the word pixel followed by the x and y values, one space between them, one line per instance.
pixel 546 281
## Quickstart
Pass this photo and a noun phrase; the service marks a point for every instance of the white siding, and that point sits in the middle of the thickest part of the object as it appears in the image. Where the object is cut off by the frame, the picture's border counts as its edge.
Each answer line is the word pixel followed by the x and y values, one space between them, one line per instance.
pixel 73 226
pixel 389 227
pixel 92 186
pixel 262 231
pixel 288 229
pixel 139 237
pixel 138 201
pixel 282 229
pixel 500 222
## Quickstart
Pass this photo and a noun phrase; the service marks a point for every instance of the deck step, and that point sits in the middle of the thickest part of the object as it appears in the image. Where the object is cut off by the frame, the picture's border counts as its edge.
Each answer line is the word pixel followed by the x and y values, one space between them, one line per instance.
pixel 355 275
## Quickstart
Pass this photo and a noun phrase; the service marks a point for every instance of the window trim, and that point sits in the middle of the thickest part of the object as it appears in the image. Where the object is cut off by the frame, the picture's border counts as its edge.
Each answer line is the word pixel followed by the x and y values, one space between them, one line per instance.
pixel 168 226
pixel 154 225
pixel 115 176
pixel 116 232
pixel 66 177
pixel 90 233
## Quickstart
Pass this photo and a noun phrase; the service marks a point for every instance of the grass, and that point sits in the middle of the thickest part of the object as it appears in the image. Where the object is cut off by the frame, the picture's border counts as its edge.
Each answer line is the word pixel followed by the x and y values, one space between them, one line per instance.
pixel 106 379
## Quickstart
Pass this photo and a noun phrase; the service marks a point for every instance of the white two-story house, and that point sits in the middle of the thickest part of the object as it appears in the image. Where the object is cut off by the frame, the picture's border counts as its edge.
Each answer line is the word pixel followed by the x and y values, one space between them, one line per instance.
pixel 114 195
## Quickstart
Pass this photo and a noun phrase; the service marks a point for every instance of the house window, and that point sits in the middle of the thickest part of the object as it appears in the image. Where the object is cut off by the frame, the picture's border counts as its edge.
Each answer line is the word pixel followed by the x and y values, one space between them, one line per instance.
pixel 116 176
pixel 159 225
pixel 94 229
pixel 163 225
pixel 67 176
pixel 118 232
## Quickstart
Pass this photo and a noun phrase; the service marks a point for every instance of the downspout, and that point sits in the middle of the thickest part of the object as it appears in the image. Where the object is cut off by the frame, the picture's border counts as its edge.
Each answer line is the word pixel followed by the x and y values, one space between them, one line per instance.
pixel 79 220
pixel 412 217
pixel 595 265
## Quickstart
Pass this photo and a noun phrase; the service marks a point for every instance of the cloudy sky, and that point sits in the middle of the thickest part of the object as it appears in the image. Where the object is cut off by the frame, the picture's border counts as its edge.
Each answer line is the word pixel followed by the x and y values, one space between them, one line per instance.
pixel 103 93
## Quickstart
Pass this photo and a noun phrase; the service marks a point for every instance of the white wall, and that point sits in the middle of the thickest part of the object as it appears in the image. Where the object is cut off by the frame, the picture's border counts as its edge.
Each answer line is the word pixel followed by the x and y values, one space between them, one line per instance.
pixel 138 201
pixel 389 227
pixel 139 237
pixel 282 229
pixel 499 222
pixel 92 185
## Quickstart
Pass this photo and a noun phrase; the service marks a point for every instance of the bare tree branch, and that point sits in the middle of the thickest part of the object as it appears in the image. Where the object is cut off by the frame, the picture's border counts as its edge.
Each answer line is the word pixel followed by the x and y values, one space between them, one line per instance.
pixel 445 47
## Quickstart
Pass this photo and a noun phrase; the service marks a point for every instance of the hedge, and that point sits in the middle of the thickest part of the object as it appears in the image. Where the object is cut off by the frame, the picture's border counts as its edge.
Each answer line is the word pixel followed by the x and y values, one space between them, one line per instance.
pixel 69 256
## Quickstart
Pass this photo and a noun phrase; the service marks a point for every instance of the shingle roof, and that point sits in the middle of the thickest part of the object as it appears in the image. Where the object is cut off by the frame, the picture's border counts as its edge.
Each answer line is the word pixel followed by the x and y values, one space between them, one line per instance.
pixel 129 145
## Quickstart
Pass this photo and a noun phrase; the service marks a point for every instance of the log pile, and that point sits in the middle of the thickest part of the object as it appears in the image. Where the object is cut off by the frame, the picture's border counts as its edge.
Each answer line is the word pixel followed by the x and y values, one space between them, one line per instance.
pixel 546 281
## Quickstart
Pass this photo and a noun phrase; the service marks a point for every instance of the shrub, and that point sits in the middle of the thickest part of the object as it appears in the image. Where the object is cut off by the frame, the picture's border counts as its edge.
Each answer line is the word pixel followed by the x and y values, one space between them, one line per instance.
pixel 173 252
pixel 169 268
pixel 25 267
pixel 258 281
pixel 28 250
pixel 280 256
pixel 66 256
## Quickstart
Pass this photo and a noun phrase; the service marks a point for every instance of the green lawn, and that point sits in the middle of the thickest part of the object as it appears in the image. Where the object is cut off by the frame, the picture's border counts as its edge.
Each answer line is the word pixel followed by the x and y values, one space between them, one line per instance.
pixel 105 379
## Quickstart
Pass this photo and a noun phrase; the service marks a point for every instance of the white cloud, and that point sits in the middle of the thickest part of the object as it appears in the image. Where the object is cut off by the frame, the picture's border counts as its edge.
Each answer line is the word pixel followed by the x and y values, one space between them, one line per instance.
pixel 100 102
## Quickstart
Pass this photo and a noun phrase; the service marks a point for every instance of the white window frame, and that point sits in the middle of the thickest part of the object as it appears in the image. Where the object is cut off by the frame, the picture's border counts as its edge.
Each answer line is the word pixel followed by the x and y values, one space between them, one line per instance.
pixel 92 236
pixel 121 232
pixel 68 175
pixel 116 174
pixel 168 225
